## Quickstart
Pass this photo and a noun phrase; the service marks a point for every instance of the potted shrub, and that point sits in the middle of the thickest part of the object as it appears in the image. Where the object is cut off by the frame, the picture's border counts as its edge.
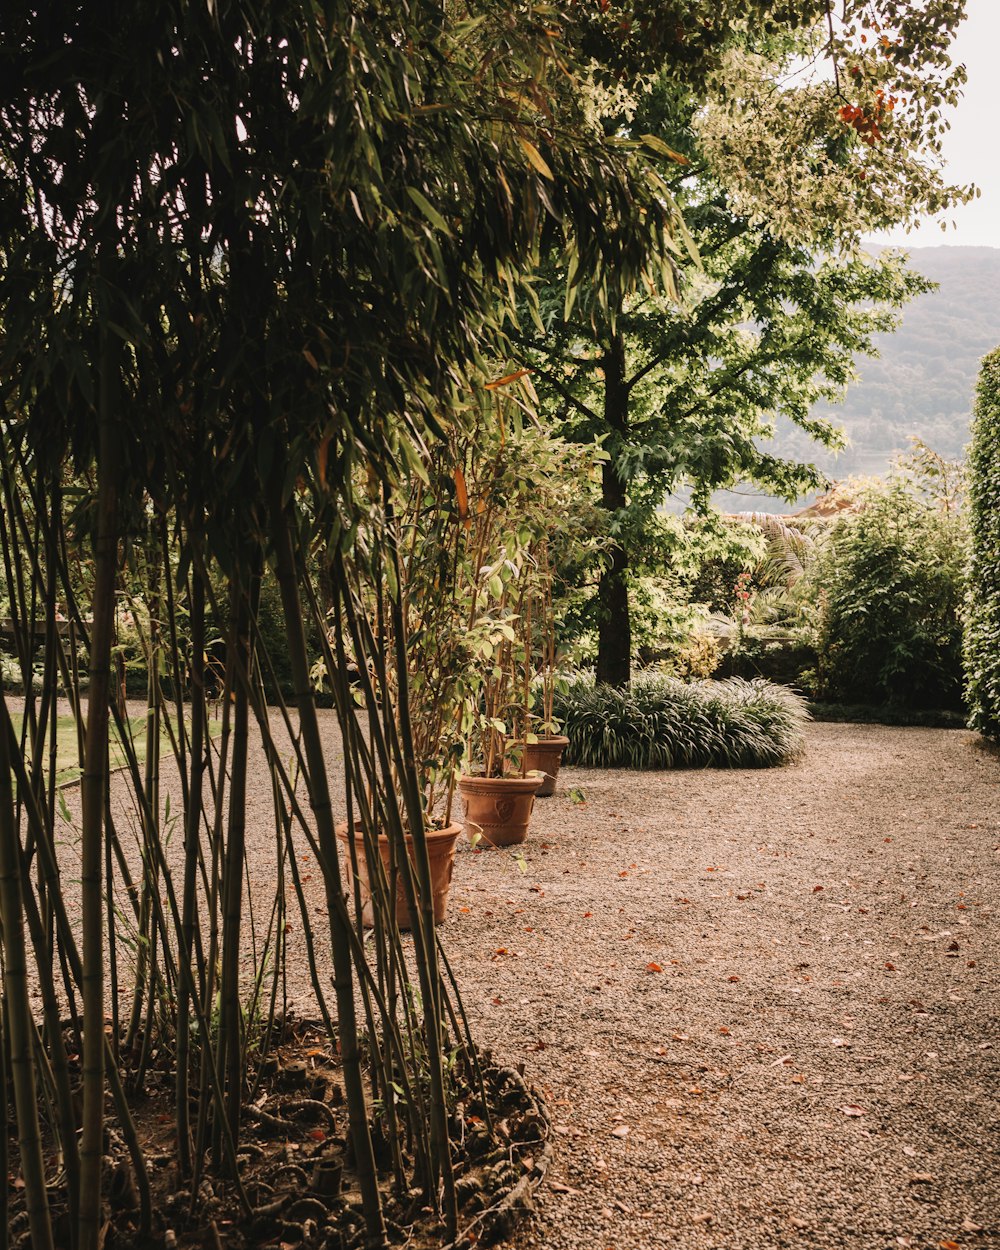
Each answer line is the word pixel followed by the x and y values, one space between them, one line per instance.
pixel 498 793
pixel 423 615
pixel 544 745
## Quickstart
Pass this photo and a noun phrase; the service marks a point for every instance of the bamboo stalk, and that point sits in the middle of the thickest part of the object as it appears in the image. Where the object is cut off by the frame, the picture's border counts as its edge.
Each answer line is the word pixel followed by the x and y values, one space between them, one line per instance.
pixel 92 819
pixel 319 797
pixel 18 1012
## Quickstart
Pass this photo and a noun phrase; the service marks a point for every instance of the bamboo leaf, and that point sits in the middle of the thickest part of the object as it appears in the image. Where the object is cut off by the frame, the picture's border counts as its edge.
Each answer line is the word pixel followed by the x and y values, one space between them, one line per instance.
pixel 536 158
pixel 428 210
pixel 657 145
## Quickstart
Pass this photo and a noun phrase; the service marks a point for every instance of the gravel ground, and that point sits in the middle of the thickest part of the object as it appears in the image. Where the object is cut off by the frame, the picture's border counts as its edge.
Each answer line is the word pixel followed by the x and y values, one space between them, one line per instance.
pixel 761 1004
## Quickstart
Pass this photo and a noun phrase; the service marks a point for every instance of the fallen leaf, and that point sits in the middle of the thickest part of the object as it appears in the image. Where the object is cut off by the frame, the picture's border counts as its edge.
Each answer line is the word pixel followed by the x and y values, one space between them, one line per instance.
pixel 620 1130
pixel 653 967
pixel 852 1108
pixel 922 1178
pixel 970 1226
pixel 910 1151
pixel 724 1031
pixel 799 1078
pixel 816 889
pixel 733 980
pixel 702 1217
pixel 890 966
pixel 558 1188
pixel 949 1245
pixel 317 1134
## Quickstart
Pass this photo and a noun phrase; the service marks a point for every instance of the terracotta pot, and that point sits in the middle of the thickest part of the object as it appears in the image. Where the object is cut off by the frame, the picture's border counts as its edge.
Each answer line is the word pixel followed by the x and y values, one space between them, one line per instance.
pixel 498 808
pixel 440 851
pixel 545 756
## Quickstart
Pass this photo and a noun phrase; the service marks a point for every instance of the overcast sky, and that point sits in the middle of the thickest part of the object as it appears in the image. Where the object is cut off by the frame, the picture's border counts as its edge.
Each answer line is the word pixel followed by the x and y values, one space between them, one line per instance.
pixel 972 147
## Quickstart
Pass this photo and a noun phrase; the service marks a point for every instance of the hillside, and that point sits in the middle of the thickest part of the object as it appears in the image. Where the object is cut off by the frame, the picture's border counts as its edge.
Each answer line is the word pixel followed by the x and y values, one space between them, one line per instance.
pixel 924 380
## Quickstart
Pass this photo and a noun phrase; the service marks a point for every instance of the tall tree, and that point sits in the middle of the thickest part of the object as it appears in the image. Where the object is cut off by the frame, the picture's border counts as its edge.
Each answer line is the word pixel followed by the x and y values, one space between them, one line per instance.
pixel 686 386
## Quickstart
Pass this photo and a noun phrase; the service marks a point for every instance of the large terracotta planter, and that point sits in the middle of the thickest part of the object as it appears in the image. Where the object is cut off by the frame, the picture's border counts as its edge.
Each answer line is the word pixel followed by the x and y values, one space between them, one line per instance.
pixel 545 756
pixel 498 809
pixel 440 851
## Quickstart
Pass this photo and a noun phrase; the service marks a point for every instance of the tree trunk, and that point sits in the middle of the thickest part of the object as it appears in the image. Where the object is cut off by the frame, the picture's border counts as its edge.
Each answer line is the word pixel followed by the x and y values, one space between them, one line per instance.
pixel 614 628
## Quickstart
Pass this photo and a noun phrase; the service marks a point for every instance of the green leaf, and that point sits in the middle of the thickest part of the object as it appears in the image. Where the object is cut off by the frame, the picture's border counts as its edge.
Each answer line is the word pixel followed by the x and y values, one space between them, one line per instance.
pixel 657 145
pixel 536 158
pixel 428 210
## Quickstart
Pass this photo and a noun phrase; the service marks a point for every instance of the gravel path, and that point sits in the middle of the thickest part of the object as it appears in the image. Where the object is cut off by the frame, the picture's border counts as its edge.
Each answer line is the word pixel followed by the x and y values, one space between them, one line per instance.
pixel 762 1004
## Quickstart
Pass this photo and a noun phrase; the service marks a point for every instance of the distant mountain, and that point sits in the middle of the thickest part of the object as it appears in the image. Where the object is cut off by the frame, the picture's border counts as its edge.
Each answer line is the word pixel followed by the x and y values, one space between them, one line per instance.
pixel 924 381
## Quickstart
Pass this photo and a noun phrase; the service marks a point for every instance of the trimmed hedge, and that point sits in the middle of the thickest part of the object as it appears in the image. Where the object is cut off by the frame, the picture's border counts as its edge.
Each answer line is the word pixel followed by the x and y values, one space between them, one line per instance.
pixel 660 722
pixel 982 618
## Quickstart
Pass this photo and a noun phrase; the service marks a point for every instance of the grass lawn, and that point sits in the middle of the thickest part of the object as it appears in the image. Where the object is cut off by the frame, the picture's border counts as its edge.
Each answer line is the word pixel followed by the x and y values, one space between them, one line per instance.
pixel 67 754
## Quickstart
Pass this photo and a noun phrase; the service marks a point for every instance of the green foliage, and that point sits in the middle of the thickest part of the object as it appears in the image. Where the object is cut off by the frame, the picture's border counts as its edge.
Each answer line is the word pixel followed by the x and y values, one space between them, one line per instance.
pixel 867 714
pixel 982 626
pixel 887 587
pixel 687 393
pixel 660 722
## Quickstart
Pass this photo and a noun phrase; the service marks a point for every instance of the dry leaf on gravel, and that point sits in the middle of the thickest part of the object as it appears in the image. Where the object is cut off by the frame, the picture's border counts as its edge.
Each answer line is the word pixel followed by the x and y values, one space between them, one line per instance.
pixel 970 1226
pixel 852 1108
pixel 622 1130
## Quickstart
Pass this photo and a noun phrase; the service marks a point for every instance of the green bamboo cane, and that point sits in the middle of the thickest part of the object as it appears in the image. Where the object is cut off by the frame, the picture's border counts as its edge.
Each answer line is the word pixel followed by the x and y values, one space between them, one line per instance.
pixel 92 818
pixel 18 1012
pixel 192 826
pixel 340 925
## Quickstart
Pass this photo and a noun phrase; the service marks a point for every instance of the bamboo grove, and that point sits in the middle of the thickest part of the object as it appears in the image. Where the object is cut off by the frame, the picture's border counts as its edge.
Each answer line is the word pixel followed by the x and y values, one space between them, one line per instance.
pixel 257 265
pixel 234 328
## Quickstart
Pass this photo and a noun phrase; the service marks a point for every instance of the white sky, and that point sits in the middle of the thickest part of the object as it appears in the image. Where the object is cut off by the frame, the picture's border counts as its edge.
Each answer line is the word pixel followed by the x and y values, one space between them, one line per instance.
pixel 972 147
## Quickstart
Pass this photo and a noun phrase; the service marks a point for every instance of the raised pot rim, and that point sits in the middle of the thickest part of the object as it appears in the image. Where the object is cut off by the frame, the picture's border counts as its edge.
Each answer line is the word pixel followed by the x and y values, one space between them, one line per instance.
pixel 469 781
pixel 433 835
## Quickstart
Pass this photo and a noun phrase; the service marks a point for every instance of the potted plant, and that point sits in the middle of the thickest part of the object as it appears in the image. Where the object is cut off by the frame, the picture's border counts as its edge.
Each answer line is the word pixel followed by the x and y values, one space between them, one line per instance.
pixel 420 611
pixel 498 793
pixel 544 745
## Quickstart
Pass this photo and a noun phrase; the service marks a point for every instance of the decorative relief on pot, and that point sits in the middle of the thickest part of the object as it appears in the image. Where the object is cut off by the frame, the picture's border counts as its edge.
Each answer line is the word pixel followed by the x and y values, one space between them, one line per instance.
pixel 505 809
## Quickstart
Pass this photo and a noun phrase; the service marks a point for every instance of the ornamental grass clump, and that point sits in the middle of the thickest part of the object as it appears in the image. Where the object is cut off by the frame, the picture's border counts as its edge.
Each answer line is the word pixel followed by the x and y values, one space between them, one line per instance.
pixel 663 723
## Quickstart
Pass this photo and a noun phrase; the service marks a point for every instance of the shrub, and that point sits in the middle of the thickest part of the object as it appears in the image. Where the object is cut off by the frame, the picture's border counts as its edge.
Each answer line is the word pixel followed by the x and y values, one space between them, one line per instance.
pixel 888 585
pixel 982 625
pixel 660 722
